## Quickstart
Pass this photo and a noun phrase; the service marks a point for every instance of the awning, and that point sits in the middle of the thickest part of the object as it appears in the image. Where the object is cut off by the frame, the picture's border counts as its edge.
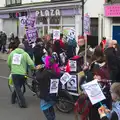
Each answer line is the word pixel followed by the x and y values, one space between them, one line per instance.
pixel 34 7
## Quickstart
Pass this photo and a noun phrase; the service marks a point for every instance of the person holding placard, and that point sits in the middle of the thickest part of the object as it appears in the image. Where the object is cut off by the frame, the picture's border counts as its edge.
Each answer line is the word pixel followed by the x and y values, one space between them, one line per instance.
pixel 114 114
pixel 18 60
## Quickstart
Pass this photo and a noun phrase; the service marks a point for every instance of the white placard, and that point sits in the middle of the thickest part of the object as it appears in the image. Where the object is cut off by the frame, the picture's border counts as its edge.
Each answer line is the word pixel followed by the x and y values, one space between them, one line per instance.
pixel 56 34
pixel 16 59
pixel 65 78
pixel 72 84
pixel 54 86
pixel 22 21
pixel 94 91
pixel 63 57
pixel 73 65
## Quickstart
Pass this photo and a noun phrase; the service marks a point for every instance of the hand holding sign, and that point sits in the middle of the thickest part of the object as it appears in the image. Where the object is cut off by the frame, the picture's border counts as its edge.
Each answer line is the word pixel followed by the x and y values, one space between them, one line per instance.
pixel 94 91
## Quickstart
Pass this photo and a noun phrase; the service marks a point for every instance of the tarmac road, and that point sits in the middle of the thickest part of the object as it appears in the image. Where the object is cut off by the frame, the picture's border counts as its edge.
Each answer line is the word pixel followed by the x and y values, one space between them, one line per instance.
pixel 13 112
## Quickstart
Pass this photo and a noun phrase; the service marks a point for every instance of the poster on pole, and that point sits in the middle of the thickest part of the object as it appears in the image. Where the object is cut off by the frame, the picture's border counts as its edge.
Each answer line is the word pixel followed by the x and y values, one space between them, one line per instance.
pixel 31 34
pixel 93 91
pixel 69 32
pixel 86 24
pixel 22 21
pixel 56 34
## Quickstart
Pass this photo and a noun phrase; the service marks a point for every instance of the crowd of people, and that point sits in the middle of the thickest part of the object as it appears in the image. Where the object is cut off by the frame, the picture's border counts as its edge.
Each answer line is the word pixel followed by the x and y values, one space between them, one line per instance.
pixel 104 65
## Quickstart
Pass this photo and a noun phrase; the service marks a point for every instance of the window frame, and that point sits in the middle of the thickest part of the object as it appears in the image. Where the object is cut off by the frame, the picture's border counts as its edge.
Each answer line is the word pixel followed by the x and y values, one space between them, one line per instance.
pixel 13 4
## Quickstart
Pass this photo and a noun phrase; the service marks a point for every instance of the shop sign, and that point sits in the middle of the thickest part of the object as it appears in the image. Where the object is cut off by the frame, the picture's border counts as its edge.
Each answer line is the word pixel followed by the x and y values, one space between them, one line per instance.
pixel 46 13
pixel 112 10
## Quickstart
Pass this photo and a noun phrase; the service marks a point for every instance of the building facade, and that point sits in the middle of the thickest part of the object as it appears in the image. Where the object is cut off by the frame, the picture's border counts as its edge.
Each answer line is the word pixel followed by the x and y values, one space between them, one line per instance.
pixel 53 14
pixel 112 19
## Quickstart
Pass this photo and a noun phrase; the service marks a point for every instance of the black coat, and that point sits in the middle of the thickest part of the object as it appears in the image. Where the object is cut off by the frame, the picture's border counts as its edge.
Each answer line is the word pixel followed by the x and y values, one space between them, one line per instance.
pixel 38 53
pixel 44 78
pixel 113 64
pixel 113 117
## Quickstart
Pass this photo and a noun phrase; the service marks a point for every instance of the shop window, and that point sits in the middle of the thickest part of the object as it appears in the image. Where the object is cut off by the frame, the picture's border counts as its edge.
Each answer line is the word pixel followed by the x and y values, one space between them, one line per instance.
pixel 94 27
pixel 43 20
pixel 55 20
pixel 13 2
pixel 116 20
pixel 68 20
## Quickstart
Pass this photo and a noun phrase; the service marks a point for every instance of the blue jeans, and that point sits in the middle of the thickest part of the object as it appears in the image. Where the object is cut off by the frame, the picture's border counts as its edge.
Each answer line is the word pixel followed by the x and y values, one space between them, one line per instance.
pixel 49 113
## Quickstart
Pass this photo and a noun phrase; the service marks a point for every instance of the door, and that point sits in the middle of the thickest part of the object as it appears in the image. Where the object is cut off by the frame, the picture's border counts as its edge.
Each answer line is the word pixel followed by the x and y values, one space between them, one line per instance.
pixel 116 33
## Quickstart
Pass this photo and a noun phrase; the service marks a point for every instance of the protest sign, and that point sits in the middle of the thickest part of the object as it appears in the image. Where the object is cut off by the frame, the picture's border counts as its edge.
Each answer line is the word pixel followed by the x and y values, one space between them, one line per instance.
pixel 22 21
pixel 31 34
pixel 54 86
pixel 73 65
pixel 72 83
pixel 94 91
pixel 65 78
pixel 56 34
pixel 87 24
pixel 16 59
pixel 26 21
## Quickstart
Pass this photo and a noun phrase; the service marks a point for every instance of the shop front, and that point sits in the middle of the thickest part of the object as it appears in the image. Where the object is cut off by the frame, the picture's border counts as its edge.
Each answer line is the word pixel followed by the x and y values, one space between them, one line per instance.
pixel 112 20
pixel 49 16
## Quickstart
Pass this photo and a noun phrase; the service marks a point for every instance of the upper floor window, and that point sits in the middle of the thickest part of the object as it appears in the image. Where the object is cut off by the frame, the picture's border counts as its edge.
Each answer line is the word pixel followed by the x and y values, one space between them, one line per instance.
pixel 13 2
pixel 112 1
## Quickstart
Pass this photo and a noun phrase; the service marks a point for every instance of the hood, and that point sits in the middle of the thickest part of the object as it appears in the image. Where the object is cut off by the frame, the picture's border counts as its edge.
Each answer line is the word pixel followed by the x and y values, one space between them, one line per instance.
pixel 19 50
pixel 116 108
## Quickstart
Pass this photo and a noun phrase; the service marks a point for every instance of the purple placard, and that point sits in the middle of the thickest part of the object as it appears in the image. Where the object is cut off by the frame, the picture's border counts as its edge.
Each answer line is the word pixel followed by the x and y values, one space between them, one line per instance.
pixel 30 22
pixel 31 34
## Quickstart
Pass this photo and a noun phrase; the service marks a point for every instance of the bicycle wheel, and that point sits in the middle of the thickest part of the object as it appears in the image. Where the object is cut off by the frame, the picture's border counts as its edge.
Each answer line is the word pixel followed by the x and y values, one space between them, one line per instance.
pixel 65 102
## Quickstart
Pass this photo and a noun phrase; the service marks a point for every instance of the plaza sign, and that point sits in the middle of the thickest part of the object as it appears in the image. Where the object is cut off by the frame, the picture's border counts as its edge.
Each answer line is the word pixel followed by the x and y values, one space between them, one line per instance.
pixel 47 13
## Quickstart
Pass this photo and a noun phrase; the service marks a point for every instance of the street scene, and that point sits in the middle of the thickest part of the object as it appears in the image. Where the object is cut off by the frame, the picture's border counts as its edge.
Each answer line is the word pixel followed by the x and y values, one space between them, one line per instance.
pixel 13 112
pixel 60 59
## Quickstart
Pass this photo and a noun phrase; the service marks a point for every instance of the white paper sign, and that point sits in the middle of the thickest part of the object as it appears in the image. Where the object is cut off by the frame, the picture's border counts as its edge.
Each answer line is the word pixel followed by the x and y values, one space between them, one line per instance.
pixel 65 78
pixel 62 57
pixel 54 85
pixel 73 65
pixel 16 59
pixel 72 84
pixel 22 21
pixel 94 91
pixel 56 34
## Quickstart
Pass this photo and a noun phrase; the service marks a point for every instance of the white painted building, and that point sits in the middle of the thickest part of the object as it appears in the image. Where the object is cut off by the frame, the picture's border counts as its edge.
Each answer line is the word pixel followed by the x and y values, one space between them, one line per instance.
pixel 70 16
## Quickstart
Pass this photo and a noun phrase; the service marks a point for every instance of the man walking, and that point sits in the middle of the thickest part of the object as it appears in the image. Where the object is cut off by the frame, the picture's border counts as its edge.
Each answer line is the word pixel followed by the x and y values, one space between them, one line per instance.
pixel 18 60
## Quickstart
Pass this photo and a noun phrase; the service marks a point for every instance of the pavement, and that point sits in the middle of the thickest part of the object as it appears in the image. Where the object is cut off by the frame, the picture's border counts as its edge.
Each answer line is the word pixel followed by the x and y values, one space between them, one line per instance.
pixel 3 56
pixel 13 112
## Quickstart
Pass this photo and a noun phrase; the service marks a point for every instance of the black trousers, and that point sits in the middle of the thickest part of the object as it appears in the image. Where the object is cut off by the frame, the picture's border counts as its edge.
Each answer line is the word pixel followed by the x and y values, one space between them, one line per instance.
pixel 18 81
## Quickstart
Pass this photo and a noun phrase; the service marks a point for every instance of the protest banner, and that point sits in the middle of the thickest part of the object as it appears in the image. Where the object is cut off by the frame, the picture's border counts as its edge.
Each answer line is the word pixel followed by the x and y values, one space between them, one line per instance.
pixel 54 86
pixel 69 32
pixel 26 21
pixel 94 92
pixel 56 34
pixel 31 34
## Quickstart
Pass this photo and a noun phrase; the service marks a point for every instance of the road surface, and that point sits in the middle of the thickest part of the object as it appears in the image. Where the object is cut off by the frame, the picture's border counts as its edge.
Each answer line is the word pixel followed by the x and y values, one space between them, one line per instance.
pixel 13 112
